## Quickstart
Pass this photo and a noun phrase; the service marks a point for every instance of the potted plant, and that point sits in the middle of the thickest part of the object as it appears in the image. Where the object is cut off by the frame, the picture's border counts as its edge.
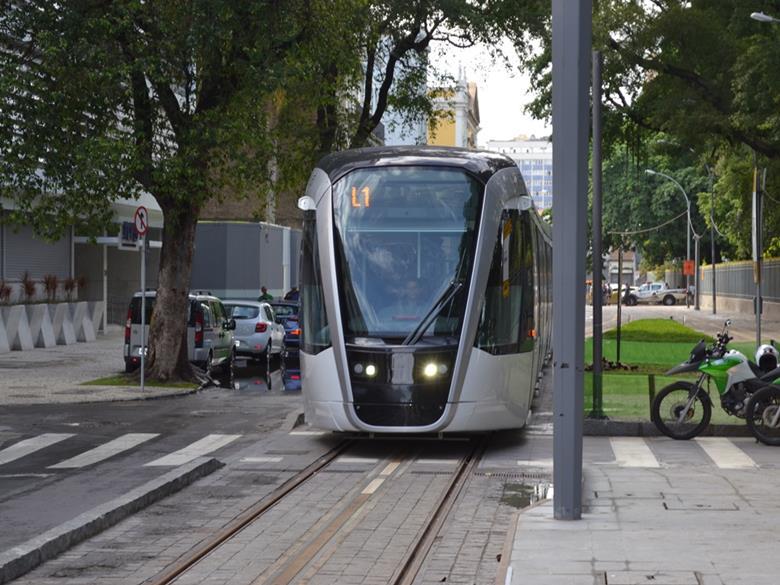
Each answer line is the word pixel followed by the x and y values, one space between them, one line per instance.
pixel 50 284
pixel 69 285
pixel 28 287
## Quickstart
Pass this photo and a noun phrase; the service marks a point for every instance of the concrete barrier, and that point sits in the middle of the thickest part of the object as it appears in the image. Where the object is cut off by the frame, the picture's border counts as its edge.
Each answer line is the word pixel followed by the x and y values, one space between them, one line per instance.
pixel 17 327
pixel 5 347
pixel 41 329
pixel 62 322
pixel 95 313
pixel 82 323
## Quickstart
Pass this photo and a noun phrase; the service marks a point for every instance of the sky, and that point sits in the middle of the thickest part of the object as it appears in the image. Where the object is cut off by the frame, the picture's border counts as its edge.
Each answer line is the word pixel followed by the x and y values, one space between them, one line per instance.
pixel 502 93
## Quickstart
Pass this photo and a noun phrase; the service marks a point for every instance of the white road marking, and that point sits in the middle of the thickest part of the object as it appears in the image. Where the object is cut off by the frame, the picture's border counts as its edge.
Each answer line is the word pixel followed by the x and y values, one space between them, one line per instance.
pixel 535 462
pixel 373 486
pixel 308 433
pixel 197 449
pixel 390 468
pixel 123 443
pixel 20 475
pixel 725 454
pixel 632 452
pixel 437 461
pixel 31 445
pixel 357 460
pixel 261 459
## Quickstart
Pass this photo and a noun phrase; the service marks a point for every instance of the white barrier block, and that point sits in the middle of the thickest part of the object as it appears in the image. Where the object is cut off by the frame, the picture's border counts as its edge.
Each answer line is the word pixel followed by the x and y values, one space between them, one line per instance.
pixel 5 347
pixel 95 312
pixel 82 324
pixel 41 328
pixel 63 324
pixel 17 327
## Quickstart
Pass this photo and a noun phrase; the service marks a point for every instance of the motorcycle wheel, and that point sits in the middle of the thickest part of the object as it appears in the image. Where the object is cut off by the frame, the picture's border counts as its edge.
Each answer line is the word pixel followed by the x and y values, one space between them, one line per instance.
pixel 668 404
pixel 759 413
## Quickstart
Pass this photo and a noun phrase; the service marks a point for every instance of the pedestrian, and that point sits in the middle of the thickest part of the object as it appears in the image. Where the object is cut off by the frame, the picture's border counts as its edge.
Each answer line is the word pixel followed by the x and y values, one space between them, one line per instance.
pixel 293 294
pixel 605 293
pixel 265 295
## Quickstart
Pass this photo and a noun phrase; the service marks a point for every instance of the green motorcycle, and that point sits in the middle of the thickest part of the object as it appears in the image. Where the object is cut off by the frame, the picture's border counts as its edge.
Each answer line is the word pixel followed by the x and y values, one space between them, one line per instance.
pixel 683 410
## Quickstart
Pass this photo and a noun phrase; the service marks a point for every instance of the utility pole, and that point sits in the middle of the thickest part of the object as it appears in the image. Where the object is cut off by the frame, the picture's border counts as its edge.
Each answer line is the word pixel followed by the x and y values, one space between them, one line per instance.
pixel 619 299
pixel 697 278
pixel 571 47
pixel 597 409
pixel 712 239
pixel 757 245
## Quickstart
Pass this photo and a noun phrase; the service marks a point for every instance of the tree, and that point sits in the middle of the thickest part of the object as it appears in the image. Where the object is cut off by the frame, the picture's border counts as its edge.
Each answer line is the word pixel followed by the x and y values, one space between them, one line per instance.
pixel 177 98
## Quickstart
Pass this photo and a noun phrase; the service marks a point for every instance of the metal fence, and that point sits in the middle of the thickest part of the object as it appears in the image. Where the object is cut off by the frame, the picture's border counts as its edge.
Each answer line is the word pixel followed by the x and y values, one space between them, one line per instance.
pixel 735 279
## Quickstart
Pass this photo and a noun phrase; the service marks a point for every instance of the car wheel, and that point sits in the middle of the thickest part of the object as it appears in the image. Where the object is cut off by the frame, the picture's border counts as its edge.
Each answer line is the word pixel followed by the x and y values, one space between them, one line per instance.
pixel 669 300
pixel 210 364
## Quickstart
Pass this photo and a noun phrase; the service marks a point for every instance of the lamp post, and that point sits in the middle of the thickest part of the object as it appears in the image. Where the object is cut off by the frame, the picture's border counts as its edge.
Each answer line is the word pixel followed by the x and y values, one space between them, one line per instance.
pixel 696 237
pixel 761 17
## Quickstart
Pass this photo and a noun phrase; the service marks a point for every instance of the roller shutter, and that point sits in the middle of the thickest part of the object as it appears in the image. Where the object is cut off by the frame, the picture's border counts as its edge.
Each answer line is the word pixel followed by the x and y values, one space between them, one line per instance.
pixel 24 252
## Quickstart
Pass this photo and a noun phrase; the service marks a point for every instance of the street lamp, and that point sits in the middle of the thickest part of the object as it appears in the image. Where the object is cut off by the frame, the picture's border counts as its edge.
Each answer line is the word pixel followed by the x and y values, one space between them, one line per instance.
pixel 696 237
pixel 761 17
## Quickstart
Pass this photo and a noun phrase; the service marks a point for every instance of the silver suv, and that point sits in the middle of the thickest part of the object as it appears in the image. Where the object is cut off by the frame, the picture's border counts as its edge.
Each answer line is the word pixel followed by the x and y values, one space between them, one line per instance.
pixel 210 340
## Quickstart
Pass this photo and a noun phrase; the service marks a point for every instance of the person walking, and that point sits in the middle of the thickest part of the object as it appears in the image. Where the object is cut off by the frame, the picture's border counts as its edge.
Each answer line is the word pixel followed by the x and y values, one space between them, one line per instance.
pixel 292 295
pixel 265 295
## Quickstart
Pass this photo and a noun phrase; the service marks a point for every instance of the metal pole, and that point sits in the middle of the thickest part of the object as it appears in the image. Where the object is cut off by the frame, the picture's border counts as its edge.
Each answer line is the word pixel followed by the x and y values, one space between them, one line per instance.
pixel 712 240
pixel 143 308
pixel 757 247
pixel 571 45
pixel 105 288
pixel 688 257
pixel 597 409
pixel 697 278
pixel 619 300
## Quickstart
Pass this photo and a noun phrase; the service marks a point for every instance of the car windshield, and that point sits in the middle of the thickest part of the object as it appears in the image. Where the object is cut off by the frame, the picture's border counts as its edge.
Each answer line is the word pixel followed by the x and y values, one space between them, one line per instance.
pixel 135 310
pixel 242 311
pixel 283 311
pixel 404 235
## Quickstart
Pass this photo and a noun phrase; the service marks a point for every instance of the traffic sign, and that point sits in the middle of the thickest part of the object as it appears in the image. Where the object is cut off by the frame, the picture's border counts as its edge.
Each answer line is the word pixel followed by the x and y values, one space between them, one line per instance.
pixel 688 268
pixel 141 220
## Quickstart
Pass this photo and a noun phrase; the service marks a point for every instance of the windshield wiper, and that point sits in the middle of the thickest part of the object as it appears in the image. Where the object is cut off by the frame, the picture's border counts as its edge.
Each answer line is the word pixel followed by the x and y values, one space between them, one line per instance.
pixel 432 313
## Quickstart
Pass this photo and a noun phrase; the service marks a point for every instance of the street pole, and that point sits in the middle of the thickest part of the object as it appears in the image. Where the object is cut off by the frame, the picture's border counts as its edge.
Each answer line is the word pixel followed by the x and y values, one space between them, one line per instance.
pixel 712 240
pixel 143 308
pixel 688 257
pixel 571 46
pixel 619 300
pixel 597 408
pixel 697 278
pixel 757 247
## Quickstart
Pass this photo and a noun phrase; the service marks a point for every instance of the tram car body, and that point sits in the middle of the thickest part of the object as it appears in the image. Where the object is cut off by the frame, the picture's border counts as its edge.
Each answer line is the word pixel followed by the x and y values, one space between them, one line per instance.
pixel 425 290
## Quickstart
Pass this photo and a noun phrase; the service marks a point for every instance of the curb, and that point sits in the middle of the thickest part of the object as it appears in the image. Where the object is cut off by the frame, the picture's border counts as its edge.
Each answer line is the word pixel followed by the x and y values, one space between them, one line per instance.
pixel 20 559
pixel 118 399
pixel 613 428
pixel 293 420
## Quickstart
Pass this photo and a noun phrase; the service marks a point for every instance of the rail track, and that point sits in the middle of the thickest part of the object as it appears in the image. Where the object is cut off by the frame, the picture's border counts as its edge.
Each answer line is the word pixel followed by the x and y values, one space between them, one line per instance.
pixel 291 570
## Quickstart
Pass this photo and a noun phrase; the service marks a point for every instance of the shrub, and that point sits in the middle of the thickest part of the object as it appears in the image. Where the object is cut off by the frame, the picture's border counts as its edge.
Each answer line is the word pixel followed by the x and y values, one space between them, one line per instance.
pixel 50 284
pixel 81 283
pixel 28 286
pixel 5 292
pixel 69 285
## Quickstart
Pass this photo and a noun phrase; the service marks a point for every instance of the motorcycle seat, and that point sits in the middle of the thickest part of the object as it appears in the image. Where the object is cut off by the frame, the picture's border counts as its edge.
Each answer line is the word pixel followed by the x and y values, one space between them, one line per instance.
pixel 770 376
pixel 757 372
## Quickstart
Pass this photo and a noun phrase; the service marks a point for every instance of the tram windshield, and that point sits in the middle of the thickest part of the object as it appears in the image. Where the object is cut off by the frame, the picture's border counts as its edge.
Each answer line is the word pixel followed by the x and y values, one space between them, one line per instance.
pixel 405 241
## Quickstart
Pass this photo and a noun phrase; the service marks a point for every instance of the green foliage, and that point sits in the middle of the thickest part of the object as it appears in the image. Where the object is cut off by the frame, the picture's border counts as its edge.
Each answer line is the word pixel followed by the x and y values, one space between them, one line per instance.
pixel 657 331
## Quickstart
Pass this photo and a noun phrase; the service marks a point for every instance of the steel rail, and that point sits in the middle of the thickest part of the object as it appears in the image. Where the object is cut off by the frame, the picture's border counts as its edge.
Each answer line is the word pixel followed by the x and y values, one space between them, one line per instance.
pixel 249 515
pixel 415 557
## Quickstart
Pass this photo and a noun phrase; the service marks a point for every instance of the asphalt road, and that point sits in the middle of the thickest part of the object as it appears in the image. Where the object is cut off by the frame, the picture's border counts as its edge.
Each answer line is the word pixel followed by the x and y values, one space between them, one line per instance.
pixel 59 460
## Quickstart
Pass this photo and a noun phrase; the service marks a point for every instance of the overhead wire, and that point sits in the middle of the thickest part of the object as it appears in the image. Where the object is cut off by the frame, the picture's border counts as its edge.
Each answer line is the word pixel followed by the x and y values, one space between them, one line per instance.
pixel 657 227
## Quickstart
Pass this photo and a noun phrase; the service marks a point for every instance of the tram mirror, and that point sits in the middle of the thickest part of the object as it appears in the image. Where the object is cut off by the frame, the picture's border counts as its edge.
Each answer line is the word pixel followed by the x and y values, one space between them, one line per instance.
pixel 306 203
pixel 525 203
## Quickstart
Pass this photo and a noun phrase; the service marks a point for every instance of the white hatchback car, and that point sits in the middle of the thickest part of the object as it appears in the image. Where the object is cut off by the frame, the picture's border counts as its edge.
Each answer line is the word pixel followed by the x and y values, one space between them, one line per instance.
pixel 257 333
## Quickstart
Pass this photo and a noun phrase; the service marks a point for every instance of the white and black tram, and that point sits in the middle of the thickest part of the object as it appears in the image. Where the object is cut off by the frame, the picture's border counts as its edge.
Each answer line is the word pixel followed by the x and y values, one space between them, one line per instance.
pixel 425 290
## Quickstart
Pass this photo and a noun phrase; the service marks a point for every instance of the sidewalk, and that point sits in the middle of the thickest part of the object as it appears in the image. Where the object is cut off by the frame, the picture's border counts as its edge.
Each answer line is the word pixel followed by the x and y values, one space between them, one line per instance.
pixel 742 326
pixel 55 375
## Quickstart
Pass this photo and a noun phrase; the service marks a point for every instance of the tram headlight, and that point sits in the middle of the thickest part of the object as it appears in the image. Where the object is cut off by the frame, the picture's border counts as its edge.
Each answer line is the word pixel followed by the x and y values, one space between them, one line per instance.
pixel 370 370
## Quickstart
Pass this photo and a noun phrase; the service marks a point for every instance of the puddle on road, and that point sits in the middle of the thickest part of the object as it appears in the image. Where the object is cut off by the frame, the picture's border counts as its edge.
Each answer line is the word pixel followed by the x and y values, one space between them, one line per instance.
pixel 521 495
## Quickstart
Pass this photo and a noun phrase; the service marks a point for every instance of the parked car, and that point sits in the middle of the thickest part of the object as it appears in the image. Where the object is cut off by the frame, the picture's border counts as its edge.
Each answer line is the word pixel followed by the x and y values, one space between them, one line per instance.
pixel 210 343
pixel 258 334
pixel 287 315
pixel 291 371
pixel 655 292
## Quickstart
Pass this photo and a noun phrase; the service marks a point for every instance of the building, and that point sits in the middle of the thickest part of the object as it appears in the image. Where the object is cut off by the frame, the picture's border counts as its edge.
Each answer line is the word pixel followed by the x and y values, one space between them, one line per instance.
pixel 456 119
pixel 534 158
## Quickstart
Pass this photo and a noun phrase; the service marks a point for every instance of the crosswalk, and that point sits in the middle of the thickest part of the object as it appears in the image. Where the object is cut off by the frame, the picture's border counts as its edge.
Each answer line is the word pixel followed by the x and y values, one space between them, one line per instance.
pixel 41 445
pixel 628 452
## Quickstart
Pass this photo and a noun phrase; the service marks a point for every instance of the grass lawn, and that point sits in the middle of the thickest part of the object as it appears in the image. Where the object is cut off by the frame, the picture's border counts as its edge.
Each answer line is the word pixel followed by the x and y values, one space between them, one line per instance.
pixel 653 346
pixel 124 380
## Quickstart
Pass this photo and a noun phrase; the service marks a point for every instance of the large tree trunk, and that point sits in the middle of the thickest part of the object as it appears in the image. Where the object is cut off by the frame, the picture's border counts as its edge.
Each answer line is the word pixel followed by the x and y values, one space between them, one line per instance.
pixel 168 358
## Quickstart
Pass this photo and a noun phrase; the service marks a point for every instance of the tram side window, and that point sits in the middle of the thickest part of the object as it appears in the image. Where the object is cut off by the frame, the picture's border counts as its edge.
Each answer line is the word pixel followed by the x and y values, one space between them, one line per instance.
pixel 315 334
pixel 507 317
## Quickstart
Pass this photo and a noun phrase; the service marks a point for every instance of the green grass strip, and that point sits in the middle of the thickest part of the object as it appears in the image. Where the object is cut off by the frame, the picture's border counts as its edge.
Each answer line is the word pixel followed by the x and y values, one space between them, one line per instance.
pixel 123 380
pixel 657 330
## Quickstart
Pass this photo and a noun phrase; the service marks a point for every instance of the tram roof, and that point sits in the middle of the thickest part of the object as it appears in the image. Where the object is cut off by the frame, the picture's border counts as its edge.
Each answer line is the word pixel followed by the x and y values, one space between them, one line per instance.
pixel 483 164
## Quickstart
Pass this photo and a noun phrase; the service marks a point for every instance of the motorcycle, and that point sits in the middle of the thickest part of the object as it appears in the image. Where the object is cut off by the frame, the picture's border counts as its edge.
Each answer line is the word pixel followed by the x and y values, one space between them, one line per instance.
pixel 682 410
pixel 763 414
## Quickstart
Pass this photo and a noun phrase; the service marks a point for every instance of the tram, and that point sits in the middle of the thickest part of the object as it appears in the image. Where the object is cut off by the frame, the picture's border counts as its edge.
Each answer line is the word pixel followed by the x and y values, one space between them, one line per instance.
pixel 425 292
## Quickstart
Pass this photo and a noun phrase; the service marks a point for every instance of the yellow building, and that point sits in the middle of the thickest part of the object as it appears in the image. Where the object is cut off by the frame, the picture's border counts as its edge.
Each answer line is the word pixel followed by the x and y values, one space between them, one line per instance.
pixel 456 117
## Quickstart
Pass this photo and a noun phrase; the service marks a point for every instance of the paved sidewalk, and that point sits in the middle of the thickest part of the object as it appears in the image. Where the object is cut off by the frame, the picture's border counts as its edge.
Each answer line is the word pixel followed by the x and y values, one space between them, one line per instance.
pixel 742 326
pixel 676 526
pixel 55 375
